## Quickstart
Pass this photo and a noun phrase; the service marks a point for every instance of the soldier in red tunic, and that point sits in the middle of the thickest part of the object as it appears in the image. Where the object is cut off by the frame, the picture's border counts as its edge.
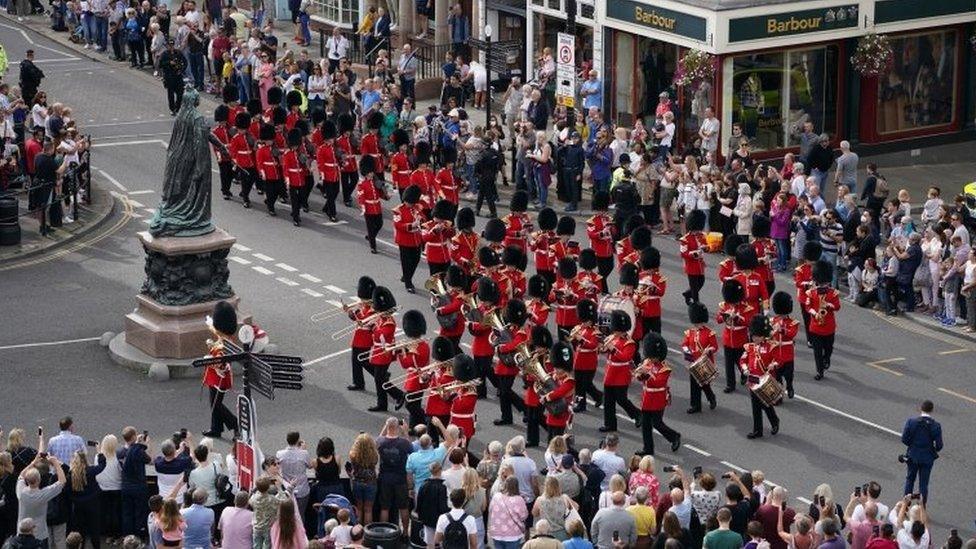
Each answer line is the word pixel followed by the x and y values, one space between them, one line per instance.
pixel 494 235
pixel 267 158
pixel 651 287
pixel 822 304
pixel 464 245
pixel 362 337
pixel 347 146
pixel 383 330
pixel 640 238
pixel 602 231
pixel 726 267
pixel 518 225
pixel 222 132
pixel 438 407
pixel 585 339
pixel 699 341
pixel 746 263
pixel 449 310
pixel 803 281
pixel 511 345
pixel 219 378
pixel 399 163
pixel 369 195
pixel 784 332
pixel 692 246
pixel 623 247
pixel 732 314
pixel 539 242
pixel 242 155
pixel 293 100
pixel 256 116
pixel 487 292
pixel 629 279
pixel 565 295
pixel 558 402
pixel 541 342
pixel 294 164
pixel 757 361
pixel 512 261
pixel 370 144
pixel 445 184
pixel 407 234
pixel 564 246
pixel 765 251
pixel 465 398
pixel 588 279
pixel 620 350
pixel 327 159
pixel 231 100
pixel 412 359
pixel 424 178
pixel 655 375
pixel 538 303
pixel 437 233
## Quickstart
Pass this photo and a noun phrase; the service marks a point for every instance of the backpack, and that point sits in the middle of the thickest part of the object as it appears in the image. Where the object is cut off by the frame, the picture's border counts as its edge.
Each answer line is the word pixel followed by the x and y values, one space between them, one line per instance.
pixel 881 189
pixel 455 534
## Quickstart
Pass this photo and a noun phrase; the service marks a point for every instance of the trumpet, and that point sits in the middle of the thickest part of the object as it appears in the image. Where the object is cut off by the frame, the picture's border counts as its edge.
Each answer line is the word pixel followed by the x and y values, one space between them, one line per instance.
pixel 362 323
pixel 443 390
pixel 394 348
pixel 427 370
pixel 576 333
pixel 332 313
pixel 606 345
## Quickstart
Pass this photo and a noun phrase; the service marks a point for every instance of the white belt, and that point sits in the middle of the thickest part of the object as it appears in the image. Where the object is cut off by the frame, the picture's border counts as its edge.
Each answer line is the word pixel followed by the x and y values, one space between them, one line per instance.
pixel 401 172
pixel 565 306
pixel 329 165
pixel 612 363
pixel 655 389
pixel 372 201
pixel 462 416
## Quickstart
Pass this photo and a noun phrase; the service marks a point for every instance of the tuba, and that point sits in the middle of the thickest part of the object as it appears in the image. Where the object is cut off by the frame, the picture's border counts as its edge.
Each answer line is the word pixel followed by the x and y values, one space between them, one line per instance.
pixel 439 297
pixel 544 383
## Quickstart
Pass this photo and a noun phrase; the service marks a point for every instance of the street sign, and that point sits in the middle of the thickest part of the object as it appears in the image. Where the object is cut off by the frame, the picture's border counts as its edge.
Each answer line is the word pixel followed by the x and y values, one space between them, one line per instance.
pixel 215 360
pixel 288 386
pixel 245 415
pixel 246 465
pixel 293 368
pixel 566 69
pixel 284 376
pixel 279 359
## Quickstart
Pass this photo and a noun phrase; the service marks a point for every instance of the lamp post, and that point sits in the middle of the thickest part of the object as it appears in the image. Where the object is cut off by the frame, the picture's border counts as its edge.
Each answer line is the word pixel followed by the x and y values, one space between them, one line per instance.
pixel 488 72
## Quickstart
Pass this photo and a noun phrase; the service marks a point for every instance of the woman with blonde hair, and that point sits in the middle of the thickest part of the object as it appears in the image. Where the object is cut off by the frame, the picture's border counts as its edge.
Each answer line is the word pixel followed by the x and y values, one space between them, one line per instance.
pixel 170 524
pixel 802 538
pixel 361 467
pixel 505 471
pixel 110 488
pixel 21 454
pixel 475 501
pixel 83 488
pixel 553 506
pixel 508 513
pixel 554 453
pixel 644 476
pixel 617 484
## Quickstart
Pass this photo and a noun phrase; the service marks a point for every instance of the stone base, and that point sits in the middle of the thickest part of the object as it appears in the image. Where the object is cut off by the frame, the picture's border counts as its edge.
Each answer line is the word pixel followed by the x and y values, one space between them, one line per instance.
pixel 172 332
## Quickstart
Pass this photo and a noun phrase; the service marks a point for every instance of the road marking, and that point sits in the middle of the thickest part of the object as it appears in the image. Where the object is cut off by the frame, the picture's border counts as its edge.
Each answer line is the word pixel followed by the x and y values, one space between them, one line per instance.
pixel 145 191
pixel 311 292
pixel 241 248
pixel 335 289
pixel 327 357
pixel 135 216
pixel 136 204
pixel 310 278
pixel 878 365
pixel 918 329
pixel 22 33
pixel 285 267
pixel 334 303
pixel 331 224
pixel 954 351
pixel 958 395
pixel 263 257
pixel 48 343
pixel 240 260
pixel 113 181
pixel 733 466
pixel 697 450
pixel 136 142
pixel 848 416
pixel 112 125
pixel 385 243
pixel 286 281
pixel 803 500
pixel 262 270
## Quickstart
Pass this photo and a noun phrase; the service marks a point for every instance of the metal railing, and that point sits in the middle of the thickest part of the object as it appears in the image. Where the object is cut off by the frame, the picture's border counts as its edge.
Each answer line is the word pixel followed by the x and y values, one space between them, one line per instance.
pixel 75 181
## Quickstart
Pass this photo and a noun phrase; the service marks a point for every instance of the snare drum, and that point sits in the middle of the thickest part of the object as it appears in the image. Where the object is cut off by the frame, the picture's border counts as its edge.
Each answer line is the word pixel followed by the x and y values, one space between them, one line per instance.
pixel 703 371
pixel 609 304
pixel 768 390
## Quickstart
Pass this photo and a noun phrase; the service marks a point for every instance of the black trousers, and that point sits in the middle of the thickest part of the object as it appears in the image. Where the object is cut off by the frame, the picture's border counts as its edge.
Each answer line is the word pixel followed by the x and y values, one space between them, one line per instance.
pixel 651 324
pixel 655 420
pixel 436 268
pixel 137 52
pixel 485 373
pixel 785 372
pixel 295 196
pixel 770 287
pixel 348 181
pixel 612 397
pixel 533 419
pixel 331 193
pixel 380 375
pixel 757 410
pixel 697 390
pixel 604 266
pixel 272 190
pixel 732 357
pixel 417 415
pixel 695 284
pixel 409 259
pixel 226 177
pixel 508 398
pixel 823 348
pixel 806 323
pixel 247 176
pixel 374 222
pixel 358 380
pixel 585 386
pixel 555 431
pixel 307 189
pixel 174 97
pixel 86 520
pixel 220 416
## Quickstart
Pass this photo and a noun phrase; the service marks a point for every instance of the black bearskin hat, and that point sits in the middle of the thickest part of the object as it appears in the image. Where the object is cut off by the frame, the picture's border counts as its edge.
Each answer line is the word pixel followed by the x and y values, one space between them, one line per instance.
pixel 329 130
pixel 229 93
pixel 293 99
pixel 411 195
pixel 731 244
pixel 640 237
pixel 254 107
pixel 318 116
pixel 367 165
pixel 634 221
pixel 629 275
pixel 242 121
pixel 697 313
pixel 442 349
pixel 566 226
pixel 587 259
pixel 732 291
pixel 620 322
pixel 547 219
pixel 541 337
pixel 464 368
pixel 512 256
pixel 365 287
pixel 650 258
pixel 654 347
pixel 782 303
pixel 695 220
pixel 421 153
pixel 221 113
pixel 400 138
pixel 760 226
pixel 561 356
pixel 414 324
pixel 567 268
pixel 224 319
pixel 266 132
pixel 760 326
pixel 494 230
pixel 346 123
pixel 374 120
pixel 383 299
pixel 302 126
pixel 487 290
pixel 443 210
pixel 274 95
pixel 455 277
pixel 601 201
pixel 539 287
pixel 465 219
pixel 515 312
pixel 823 273
pixel 278 116
pixel 448 156
pixel 745 257
pixel 586 310
pixel 519 202
pixel 294 137
pixel 812 251
pixel 487 257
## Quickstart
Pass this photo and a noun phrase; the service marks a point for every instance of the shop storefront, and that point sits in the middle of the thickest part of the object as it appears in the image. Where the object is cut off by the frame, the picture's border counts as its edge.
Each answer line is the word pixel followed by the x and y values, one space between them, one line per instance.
pixel 547 18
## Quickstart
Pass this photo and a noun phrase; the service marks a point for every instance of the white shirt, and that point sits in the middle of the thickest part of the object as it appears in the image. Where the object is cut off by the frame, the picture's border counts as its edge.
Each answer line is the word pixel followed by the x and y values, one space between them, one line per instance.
pixel 669 135
pixel 858 513
pixel 110 479
pixel 710 125
pixel 337 48
pixel 317 82
pixel 469 523
pixel 65 146
pixel 905 540
pixel 798 185
pixel 610 463
pixel 970 273
pixel 39 114
pixel 453 478
pixel 192 17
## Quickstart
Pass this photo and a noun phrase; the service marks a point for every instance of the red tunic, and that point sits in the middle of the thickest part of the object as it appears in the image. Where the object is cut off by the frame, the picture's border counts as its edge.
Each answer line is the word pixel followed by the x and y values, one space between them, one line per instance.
pixel 757 361
pixel 279 138
pixel 565 294
pixel 344 144
pixel 784 332
pixel 735 330
pixel 446 185
pixel 462 412
pixel 233 111
pixel 517 229
pixel 531 397
pixel 362 337
pixel 543 253
pixel 240 151
pixel 655 393
pixel 756 293
pixel 692 248
pixel 559 249
pixel 325 159
pixel 423 178
pixel 371 145
pixel 267 165
pixel 654 287
pixel 565 390
pixel 222 134
pixel 698 341
pixel 464 250
pixel 400 169
pixel 412 361
pixel 254 129
pixel 623 248
pixel 538 312
pixel 503 367
pixel 382 334
pixel 827 299
pixel 481 346
pixel 590 284
pixel 295 168
pixel 619 361
pixel 516 281
pixel 601 231
pixel 437 235
pixel 803 280
pixel 437 405
pixel 766 252
pixel 218 377
pixel 368 197
pixel 292 119
pixel 406 225
pixel 726 269
pixel 453 307
pixel 637 330
pixel 585 343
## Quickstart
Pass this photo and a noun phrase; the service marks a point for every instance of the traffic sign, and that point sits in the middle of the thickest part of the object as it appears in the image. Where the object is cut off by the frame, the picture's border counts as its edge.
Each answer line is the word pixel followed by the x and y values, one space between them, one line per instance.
pixel 566 69
pixel 246 465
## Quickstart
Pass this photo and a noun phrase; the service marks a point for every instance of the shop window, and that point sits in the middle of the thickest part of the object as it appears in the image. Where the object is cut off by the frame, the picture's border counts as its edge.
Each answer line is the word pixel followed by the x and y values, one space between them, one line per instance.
pixel 555 5
pixel 919 91
pixel 638 69
pixel 340 12
pixel 772 94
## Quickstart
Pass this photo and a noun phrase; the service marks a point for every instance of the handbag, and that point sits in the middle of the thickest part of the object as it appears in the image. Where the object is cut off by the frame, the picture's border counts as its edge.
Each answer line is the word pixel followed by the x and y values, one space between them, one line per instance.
pixel 570 515
pixel 225 491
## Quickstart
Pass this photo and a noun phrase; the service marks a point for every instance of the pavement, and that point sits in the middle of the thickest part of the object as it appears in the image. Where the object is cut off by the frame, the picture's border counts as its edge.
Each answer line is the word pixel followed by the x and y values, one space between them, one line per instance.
pixel 844 430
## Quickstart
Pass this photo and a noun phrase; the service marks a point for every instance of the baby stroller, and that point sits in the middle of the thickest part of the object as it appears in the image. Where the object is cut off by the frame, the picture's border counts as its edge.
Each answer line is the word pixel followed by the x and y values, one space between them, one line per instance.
pixel 329 508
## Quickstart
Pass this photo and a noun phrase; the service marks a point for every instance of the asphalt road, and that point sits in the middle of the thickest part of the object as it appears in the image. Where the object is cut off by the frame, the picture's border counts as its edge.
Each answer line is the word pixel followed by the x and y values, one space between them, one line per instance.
pixel 843 430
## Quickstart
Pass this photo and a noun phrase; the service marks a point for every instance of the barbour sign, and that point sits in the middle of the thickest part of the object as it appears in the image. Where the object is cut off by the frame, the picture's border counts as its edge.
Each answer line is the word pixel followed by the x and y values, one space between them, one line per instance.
pixel 657 18
pixel 791 23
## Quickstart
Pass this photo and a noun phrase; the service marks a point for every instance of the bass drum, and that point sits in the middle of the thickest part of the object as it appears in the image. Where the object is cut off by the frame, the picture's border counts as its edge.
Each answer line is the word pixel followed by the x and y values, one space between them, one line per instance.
pixel 609 304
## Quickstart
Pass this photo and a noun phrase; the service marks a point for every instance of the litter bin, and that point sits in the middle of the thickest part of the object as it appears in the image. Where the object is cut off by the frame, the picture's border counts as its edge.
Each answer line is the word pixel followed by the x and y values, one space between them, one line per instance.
pixel 9 221
pixel 382 535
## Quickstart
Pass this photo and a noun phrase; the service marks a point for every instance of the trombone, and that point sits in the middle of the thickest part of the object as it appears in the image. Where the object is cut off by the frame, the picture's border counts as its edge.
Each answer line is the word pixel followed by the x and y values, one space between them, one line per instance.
pixel 378 350
pixel 421 372
pixel 332 313
pixel 347 330
pixel 454 386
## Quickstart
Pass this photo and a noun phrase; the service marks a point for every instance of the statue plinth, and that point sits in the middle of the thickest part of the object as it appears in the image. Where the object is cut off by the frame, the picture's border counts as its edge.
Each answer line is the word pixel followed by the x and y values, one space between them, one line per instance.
pixel 185 277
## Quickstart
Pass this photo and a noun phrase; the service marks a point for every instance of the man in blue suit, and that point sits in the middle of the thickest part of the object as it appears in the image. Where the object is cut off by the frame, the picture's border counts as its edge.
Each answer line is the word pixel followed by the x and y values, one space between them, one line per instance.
pixel 923 437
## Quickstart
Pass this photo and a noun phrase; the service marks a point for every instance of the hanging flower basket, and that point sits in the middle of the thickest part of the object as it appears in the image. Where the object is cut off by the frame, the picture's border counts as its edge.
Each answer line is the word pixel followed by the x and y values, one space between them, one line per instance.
pixel 873 55
pixel 694 67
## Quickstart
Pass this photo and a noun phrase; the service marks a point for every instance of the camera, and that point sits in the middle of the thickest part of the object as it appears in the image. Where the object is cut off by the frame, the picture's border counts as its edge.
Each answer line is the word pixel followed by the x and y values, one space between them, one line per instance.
pixel 902 458
pixel 727 476
pixel 696 472
pixel 668 468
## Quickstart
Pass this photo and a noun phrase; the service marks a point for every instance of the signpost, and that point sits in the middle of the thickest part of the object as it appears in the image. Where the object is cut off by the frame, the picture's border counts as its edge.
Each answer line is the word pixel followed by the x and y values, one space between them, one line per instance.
pixel 566 70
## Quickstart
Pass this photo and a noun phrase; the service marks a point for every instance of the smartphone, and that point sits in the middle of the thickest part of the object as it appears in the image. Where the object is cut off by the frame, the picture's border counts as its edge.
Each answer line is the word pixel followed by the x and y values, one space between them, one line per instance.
pixel 145 434
pixel 40 431
pixel 877 530
pixel 696 472
pixel 727 476
pixel 668 468
pixel 92 443
pixel 857 491
pixel 822 501
pixel 183 432
pixel 616 536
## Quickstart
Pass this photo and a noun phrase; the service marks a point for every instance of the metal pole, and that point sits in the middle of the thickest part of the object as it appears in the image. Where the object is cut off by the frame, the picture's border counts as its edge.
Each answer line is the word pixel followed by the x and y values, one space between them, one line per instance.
pixel 488 72
pixel 571 29
pixel 245 378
